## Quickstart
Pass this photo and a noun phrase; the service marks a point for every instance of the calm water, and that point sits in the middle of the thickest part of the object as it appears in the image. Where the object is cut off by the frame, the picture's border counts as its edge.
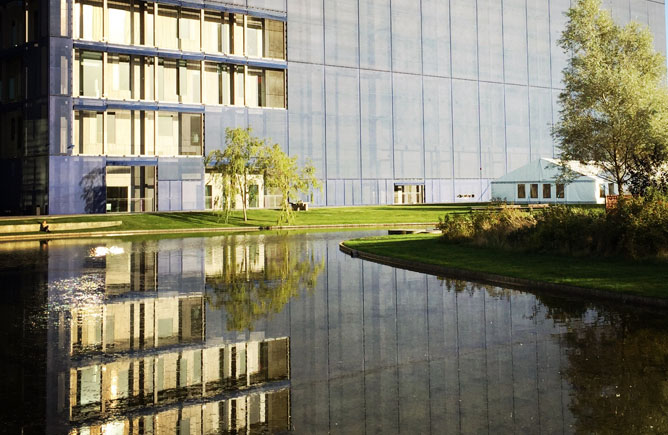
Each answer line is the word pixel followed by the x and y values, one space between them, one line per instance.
pixel 278 333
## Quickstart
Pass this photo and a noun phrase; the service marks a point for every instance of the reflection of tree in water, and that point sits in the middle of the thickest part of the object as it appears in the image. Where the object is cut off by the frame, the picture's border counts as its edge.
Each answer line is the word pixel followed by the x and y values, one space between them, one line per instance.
pixel 619 375
pixel 250 295
pixel 615 360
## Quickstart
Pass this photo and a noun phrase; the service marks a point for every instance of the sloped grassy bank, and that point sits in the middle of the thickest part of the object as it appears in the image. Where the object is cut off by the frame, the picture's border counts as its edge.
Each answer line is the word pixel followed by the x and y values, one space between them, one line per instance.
pixel 646 278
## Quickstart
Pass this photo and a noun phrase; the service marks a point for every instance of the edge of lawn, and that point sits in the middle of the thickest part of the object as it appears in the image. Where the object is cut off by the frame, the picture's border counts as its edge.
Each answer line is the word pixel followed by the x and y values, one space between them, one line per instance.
pixel 635 282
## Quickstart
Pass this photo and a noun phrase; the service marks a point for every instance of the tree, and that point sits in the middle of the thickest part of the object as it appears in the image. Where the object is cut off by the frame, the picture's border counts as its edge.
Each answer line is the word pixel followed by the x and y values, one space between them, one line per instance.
pixel 241 159
pixel 246 156
pixel 283 174
pixel 614 107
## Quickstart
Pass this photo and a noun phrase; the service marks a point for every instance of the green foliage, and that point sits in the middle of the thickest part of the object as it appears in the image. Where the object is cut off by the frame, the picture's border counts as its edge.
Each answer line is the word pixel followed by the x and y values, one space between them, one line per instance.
pixel 636 228
pixel 491 228
pixel 249 296
pixel 614 107
pixel 245 156
pixel 284 175
pixel 240 160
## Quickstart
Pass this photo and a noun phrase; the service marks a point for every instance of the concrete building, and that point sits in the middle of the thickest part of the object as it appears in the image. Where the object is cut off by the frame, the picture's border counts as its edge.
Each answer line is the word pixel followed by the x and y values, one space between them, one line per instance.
pixel 109 105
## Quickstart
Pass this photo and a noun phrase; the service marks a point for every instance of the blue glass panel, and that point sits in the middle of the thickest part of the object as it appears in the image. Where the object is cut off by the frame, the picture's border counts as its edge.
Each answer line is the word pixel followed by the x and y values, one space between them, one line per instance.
pixel 492 130
pixel 464 39
pixel 490 40
pixel 657 25
pixel 168 169
pixel 343 123
pixel 468 190
pixel 538 20
pixel 77 185
pixel 369 192
pixel 270 124
pixel 193 198
pixel 59 18
pixel 163 195
pixel 406 36
pixel 174 195
pixel 620 10
pixel 376 124
pixel 306 116
pixel 217 120
pixel 341 39
pixel 60 62
pixel 639 11
pixel 465 129
pixel 436 38
pixel 375 37
pixel 437 128
pixel 515 41
pixel 60 125
pixel 276 5
pixel 517 126
pixel 540 105
pixel 558 20
pixel 305 31
pixel 336 192
pixel 408 127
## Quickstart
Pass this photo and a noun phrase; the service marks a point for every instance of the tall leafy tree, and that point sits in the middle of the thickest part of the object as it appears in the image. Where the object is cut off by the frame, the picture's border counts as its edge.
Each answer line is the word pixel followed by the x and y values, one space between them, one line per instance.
pixel 283 174
pixel 614 106
pixel 241 159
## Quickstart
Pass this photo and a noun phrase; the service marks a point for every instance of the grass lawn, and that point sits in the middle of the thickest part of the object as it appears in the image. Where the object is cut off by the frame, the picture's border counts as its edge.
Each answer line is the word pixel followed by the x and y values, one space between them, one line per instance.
pixel 644 278
pixel 315 216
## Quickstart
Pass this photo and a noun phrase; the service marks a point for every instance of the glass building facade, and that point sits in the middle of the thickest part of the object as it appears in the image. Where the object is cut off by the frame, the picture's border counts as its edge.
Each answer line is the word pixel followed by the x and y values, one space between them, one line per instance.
pixel 110 105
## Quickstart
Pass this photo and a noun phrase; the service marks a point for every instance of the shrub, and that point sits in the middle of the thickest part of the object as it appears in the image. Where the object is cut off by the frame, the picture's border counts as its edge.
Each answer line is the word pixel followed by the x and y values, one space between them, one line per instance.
pixel 636 228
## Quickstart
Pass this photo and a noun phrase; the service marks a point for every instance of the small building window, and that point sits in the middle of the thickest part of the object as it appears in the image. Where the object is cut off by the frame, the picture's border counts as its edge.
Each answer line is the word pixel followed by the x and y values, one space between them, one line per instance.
pixel 601 190
pixel 521 191
pixel 547 191
pixel 560 191
pixel 534 191
pixel 611 188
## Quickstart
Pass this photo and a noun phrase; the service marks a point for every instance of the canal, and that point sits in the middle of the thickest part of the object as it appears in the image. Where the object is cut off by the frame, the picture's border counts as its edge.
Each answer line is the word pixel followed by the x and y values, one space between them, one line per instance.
pixel 273 333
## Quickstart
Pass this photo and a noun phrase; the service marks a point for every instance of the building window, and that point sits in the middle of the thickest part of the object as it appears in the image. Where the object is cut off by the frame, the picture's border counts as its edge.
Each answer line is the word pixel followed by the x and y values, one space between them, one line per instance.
pixel 408 194
pixel 208 197
pixel 274 39
pixel 547 191
pixel 255 91
pixel 167 143
pixel 167 27
pixel 254 37
pixel 88 133
pixel 189 81
pixel 218 83
pixel 275 88
pixel 120 18
pixel 560 191
pixel 189 30
pixel 237 36
pixel 118 76
pixel 237 73
pixel 521 191
pixel 168 80
pixel 119 133
pixel 601 190
pixel 88 20
pixel 191 134
pixel 611 188
pixel 534 191
pixel 88 73
pixel 142 31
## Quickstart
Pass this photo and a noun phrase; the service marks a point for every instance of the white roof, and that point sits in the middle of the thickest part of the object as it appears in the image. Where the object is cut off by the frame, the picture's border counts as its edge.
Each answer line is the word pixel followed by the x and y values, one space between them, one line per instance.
pixel 546 169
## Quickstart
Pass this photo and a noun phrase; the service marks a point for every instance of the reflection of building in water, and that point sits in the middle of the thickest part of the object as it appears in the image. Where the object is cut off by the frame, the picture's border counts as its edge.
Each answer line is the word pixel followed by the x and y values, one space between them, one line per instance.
pixel 136 358
pixel 262 412
pixel 99 390
pixel 240 258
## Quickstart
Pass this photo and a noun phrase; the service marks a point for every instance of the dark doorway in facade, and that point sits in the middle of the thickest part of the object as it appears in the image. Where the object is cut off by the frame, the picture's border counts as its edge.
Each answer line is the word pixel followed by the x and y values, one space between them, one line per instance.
pixel 130 188
pixel 408 194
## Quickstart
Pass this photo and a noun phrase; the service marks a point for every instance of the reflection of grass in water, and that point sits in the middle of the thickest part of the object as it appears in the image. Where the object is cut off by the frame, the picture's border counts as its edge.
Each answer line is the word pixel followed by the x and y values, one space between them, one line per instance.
pixel 644 278
pixel 249 296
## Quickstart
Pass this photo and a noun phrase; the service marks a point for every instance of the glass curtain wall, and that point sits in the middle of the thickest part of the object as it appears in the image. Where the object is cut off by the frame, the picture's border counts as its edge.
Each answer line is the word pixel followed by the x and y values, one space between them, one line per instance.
pixel 133 133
